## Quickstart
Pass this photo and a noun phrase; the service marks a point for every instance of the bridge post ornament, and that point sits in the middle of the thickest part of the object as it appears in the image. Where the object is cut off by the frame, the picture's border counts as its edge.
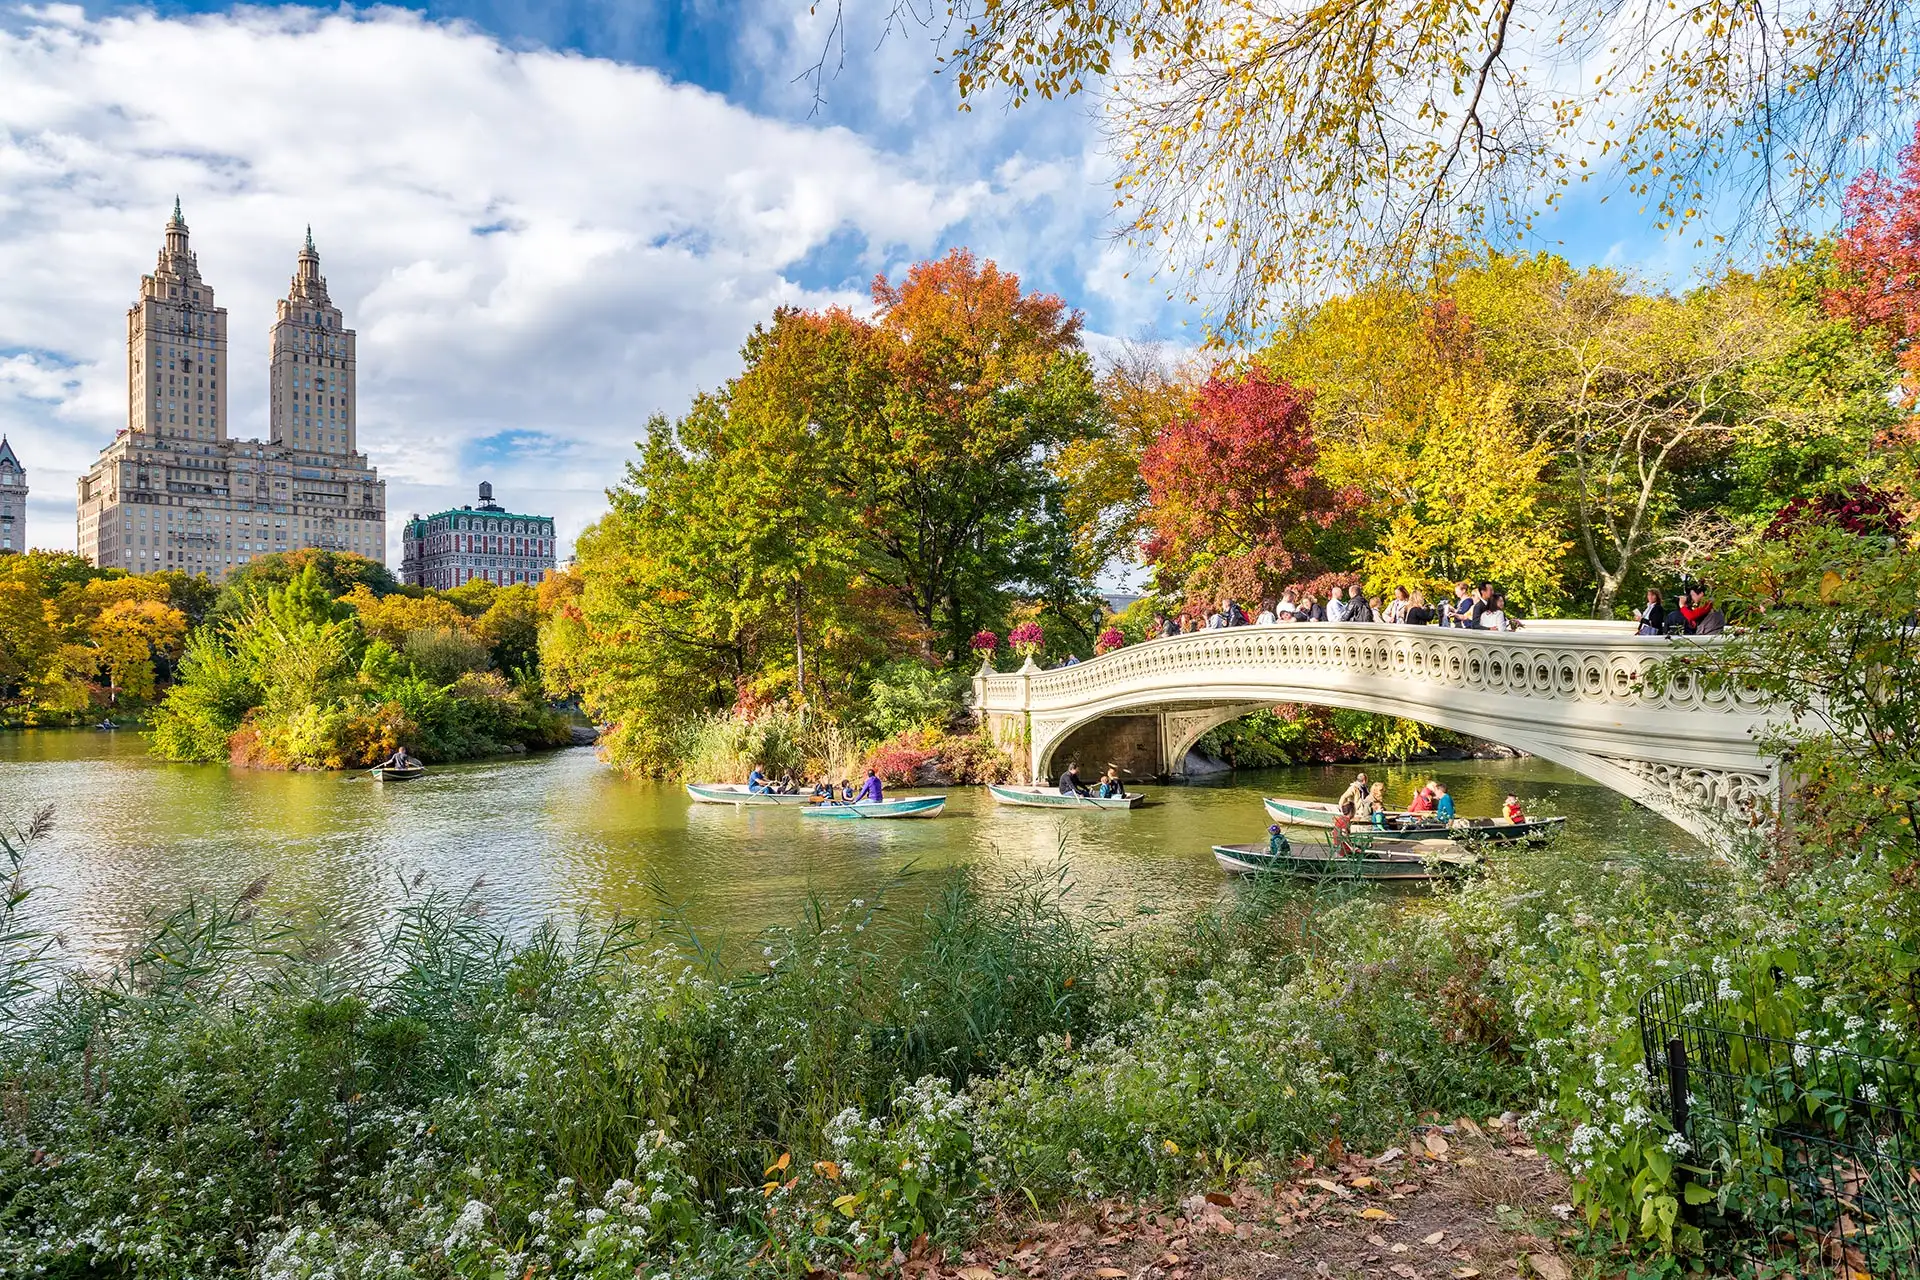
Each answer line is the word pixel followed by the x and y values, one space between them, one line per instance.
pixel 1572 692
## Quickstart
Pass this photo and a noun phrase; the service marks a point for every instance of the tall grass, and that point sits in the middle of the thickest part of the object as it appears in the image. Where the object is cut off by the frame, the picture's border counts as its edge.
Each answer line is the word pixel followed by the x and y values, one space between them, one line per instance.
pixel 724 746
pixel 239 1096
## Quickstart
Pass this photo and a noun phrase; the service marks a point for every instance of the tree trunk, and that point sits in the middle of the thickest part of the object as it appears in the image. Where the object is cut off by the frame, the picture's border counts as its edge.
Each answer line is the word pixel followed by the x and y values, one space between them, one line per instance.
pixel 799 643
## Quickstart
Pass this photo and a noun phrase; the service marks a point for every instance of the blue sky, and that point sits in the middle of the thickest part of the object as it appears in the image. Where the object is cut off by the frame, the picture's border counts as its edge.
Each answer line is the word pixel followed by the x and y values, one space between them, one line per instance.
pixel 547 221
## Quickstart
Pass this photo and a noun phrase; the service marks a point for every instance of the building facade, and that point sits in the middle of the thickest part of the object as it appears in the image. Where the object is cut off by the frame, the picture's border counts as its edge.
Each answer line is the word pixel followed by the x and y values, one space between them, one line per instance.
pixel 13 500
pixel 172 491
pixel 485 541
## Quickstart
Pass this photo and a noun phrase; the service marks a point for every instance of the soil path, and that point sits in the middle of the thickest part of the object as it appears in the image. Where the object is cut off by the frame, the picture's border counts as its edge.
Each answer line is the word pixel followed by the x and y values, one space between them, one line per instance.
pixel 1461 1201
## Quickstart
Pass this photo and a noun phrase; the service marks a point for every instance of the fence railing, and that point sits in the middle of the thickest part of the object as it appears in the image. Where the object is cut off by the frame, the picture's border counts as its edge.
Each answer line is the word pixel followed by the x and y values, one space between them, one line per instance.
pixel 1812 1152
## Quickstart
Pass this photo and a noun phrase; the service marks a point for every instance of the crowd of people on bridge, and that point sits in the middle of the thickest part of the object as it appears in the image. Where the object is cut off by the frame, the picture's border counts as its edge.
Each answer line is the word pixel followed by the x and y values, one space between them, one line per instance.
pixel 1476 606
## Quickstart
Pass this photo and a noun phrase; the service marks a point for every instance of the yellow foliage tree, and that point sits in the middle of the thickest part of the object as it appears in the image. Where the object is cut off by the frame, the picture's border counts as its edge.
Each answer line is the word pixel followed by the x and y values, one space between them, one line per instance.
pixel 128 635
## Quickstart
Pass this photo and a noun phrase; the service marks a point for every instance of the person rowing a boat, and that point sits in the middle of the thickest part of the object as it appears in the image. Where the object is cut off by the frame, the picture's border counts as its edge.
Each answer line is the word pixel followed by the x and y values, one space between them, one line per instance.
pixel 757 781
pixel 399 760
pixel 1070 784
pixel 870 792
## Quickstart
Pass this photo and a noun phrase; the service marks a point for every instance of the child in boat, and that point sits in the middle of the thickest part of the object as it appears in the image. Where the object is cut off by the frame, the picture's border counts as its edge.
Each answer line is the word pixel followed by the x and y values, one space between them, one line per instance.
pixel 846 790
pixel 1376 814
pixel 1277 843
pixel 1442 802
pixel 1111 787
pixel 1512 811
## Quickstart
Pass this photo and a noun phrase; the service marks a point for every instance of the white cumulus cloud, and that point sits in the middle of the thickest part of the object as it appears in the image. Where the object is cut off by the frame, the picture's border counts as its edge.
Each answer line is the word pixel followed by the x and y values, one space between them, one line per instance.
pixel 538 249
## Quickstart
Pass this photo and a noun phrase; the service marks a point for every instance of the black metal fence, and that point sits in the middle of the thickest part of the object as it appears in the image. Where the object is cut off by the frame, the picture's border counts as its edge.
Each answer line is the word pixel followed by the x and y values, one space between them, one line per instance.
pixel 1812 1153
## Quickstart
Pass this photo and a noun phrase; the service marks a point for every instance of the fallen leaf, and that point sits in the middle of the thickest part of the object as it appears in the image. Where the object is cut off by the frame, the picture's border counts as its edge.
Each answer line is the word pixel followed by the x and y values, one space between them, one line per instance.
pixel 1364 1183
pixel 1334 1187
pixel 1401 1248
pixel 1110 1273
pixel 1435 1238
pixel 1372 1214
pixel 1436 1146
pixel 1169 1259
pixel 1377 1240
pixel 1388 1156
pixel 1465 1273
pixel 1548 1267
pixel 1219 1198
pixel 975 1273
pixel 1467 1126
pixel 1402 1269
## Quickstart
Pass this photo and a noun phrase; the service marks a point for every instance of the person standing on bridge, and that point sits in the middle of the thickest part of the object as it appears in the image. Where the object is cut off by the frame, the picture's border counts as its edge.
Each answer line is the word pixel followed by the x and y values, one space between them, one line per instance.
pixel 1462 610
pixel 1336 606
pixel 1267 616
pixel 1653 614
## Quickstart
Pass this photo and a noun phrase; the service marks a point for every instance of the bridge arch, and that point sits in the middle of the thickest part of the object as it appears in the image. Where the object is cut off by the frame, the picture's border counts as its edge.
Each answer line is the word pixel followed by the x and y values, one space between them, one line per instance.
pixel 1574 694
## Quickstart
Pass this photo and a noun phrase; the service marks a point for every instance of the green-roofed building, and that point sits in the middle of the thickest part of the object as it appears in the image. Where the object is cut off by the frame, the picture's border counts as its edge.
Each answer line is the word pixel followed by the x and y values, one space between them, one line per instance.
pixel 484 540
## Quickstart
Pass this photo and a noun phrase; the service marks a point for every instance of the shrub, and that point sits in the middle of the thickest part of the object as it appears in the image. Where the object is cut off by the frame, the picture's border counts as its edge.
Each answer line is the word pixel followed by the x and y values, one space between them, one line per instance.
pixel 910 695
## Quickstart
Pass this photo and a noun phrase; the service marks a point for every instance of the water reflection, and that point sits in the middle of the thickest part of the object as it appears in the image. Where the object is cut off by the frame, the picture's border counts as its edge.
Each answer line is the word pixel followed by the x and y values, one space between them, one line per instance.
pixel 556 834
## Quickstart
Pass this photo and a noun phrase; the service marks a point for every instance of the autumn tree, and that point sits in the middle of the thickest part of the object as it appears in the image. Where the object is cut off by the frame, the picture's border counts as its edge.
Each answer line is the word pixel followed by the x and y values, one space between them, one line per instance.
pixel 1237 505
pixel 1144 389
pixel 1275 150
pixel 129 635
pixel 977 387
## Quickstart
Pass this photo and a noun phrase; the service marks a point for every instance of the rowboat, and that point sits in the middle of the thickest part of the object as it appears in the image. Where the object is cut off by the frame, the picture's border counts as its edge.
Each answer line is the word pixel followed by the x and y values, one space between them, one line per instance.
pixel 737 793
pixel 388 773
pixel 1320 815
pixel 905 807
pixel 1329 862
pixel 1054 798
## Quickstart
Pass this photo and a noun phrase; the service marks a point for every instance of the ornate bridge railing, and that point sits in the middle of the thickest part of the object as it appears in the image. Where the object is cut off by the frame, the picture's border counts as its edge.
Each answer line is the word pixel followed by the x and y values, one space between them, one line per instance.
pixel 1572 693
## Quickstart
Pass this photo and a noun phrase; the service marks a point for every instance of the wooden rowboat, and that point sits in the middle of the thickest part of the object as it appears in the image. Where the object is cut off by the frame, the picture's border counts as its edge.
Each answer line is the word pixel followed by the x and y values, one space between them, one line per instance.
pixel 737 793
pixel 1054 798
pixel 1320 815
pixel 858 811
pixel 387 773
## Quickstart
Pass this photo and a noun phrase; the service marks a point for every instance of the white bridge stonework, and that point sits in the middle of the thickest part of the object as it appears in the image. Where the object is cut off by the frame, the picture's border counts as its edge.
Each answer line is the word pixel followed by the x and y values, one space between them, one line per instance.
pixel 1573 693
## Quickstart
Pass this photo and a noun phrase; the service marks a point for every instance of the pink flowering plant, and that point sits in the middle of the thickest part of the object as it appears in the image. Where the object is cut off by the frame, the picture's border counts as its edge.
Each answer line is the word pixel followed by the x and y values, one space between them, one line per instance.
pixel 1027 639
pixel 985 644
pixel 1109 640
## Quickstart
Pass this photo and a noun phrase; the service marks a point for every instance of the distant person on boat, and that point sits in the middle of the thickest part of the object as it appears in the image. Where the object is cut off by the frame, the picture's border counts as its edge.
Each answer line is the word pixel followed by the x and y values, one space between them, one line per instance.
pixel 1423 800
pixel 823 789
pixel 1442 802
pixel 1278 845
pixel 757 782
pixel 1070 784
pixel 400 759
pixel 1111 788
pixel 846 790
pixel 1512 811
pixel 1376 812
pixel 870 792
pixel 1356 792
pixel 786 787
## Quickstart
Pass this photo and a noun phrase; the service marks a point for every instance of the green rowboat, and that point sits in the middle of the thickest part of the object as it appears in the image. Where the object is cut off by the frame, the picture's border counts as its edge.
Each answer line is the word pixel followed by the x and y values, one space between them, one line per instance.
pixel 737 793
pixel 1320 814
pixel 858 811
pixel 1054 798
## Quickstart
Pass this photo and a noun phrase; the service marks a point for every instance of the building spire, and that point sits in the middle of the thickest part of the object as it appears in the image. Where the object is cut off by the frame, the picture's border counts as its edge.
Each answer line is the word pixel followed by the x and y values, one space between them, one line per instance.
pixel 310 248
pixel 177 220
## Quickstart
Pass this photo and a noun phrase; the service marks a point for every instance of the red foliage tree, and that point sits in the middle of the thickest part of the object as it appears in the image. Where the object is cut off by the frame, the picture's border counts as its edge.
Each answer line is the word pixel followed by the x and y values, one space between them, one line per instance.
pixel 1878 257
pixel 1236 503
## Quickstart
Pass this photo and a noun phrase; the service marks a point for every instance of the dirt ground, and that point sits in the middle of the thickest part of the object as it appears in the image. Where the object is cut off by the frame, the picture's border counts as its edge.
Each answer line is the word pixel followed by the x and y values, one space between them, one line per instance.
pixel 1464 1200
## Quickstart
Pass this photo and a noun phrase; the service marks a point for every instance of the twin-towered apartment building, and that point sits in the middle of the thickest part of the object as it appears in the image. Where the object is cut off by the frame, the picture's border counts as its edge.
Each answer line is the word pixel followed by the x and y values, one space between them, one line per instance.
pixel 172 491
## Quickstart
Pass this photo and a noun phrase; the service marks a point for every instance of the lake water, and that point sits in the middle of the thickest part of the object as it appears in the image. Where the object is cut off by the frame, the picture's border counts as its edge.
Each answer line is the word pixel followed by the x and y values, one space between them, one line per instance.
pixel 557 834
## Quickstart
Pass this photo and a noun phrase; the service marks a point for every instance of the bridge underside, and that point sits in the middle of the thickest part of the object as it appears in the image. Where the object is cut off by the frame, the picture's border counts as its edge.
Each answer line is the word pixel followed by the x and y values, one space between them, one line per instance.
pixel 1682 767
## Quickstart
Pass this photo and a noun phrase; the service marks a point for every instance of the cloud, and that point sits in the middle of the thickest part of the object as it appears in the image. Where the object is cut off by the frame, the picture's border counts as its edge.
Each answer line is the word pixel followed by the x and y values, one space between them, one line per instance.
pixel 538 249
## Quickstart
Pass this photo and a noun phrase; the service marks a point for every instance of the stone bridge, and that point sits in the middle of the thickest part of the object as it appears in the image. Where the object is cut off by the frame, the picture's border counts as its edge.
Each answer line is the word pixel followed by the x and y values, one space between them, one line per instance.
pixel 1569 692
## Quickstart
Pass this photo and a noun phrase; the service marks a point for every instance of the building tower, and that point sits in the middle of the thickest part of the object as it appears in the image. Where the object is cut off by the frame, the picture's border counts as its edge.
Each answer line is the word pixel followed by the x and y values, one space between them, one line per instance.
pixel 13 500
pixel 177 348
pixel 312 378
pixel 171 491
